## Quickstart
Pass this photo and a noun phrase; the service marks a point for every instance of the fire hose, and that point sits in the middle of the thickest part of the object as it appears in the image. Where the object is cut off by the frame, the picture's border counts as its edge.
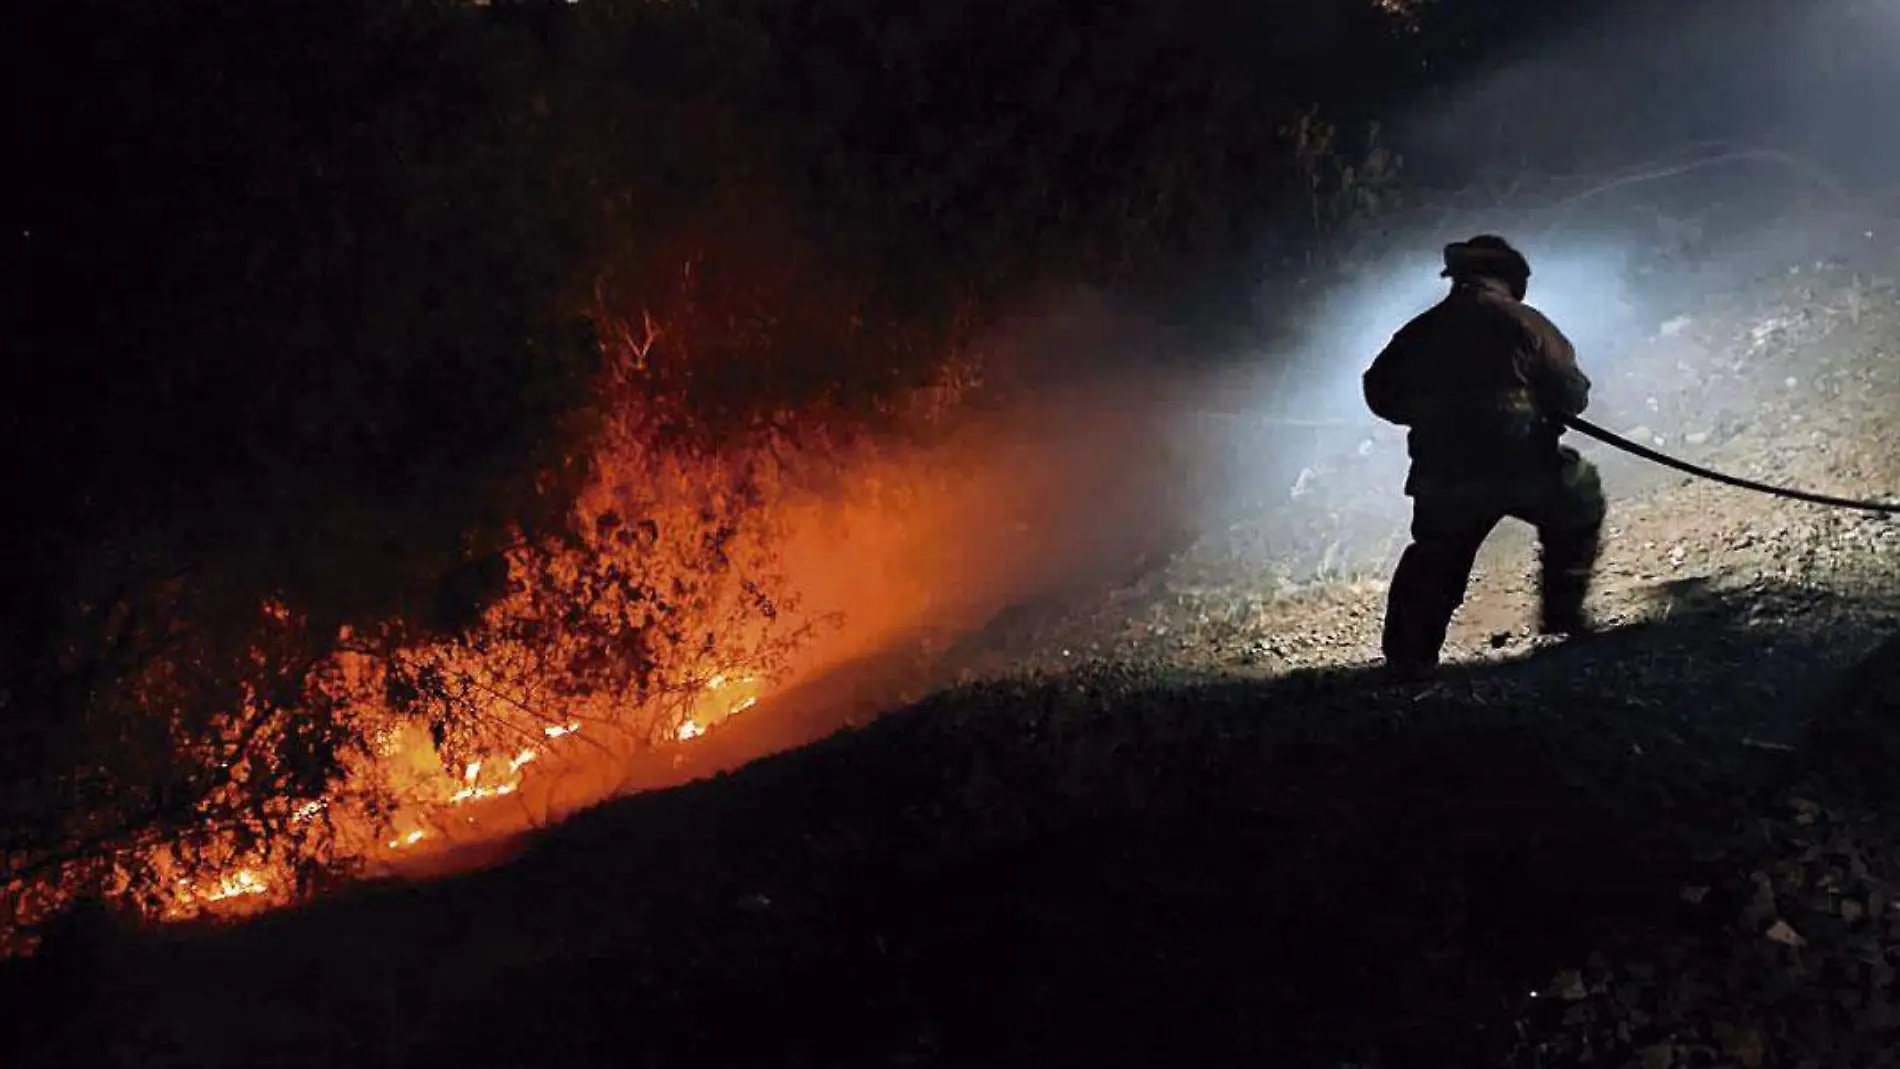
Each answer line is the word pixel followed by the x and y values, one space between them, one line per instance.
pixel 1616 441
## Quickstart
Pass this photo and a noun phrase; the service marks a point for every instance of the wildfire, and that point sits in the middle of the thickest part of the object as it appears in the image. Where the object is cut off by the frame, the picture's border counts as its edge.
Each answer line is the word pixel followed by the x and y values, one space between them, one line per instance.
pixel 441 797
pixel 647 614
pixel 737 694
pixel 470 794
pixel 722 698
pixel 483 779
pixel 223 894
pixel 238 884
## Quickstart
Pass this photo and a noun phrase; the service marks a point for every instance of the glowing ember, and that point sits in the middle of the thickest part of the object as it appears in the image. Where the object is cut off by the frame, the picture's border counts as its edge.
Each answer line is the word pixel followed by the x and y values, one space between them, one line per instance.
pixel 238 891
pixel 410 839
pixel 470 794
pixel 555 731
pixel 690 730
pixel 238 884
pixel 736 695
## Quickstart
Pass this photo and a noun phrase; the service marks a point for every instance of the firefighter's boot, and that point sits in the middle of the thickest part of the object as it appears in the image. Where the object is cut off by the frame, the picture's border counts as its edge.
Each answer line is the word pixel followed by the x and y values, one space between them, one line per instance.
pixel 1427 588
pixel 1569 560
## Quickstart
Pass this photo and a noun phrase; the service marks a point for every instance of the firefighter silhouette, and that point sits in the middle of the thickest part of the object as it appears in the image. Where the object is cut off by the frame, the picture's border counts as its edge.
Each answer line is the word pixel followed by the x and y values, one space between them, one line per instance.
pixel 1482 382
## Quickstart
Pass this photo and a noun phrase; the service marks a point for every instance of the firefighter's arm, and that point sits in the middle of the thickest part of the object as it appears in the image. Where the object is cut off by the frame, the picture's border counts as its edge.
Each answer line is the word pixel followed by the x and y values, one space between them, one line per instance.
pixel 1558 384
pixel 1387 394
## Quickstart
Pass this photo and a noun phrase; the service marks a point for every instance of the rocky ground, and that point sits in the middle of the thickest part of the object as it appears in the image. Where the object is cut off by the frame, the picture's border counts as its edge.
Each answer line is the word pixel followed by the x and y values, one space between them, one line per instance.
pixel 1182 822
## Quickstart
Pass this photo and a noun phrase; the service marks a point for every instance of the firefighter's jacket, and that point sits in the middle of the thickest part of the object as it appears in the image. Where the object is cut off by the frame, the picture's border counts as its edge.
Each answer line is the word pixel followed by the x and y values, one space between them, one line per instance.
pixel 1482 382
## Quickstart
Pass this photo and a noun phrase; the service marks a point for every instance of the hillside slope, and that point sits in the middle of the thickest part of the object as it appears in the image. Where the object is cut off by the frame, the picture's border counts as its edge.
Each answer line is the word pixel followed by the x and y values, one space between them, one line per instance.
pixel 1186 823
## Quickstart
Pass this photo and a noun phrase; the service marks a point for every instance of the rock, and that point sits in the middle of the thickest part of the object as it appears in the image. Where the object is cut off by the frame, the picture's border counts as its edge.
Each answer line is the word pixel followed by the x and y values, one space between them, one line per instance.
pixel 1569 986
pixel 1780 932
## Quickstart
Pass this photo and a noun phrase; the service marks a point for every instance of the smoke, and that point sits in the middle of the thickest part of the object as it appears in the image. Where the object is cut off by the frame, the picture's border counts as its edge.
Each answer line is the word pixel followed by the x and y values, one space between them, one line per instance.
pixel 1110 447
pixel 1111 455
pixel 1671 159
pixel 1639 80
pixel 1665 159
pixel 1067 476
pixel 1649 162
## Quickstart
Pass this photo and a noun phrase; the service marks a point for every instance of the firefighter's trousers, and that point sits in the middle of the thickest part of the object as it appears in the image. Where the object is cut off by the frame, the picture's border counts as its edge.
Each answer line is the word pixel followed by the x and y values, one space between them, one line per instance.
pixel 1452 517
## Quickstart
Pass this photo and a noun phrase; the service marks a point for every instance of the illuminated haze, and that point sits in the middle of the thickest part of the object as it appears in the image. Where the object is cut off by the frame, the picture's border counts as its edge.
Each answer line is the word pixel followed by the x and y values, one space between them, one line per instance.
pixel 1747 133
pixel 1113 460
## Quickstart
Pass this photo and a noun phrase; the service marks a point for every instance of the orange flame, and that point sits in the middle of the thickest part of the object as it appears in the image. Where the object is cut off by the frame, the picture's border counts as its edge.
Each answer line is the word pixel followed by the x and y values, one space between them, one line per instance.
pixel 857 544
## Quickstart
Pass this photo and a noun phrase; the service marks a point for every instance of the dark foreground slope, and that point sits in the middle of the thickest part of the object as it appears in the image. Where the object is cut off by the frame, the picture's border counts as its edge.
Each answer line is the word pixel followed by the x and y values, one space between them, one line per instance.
pixel 1100 868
